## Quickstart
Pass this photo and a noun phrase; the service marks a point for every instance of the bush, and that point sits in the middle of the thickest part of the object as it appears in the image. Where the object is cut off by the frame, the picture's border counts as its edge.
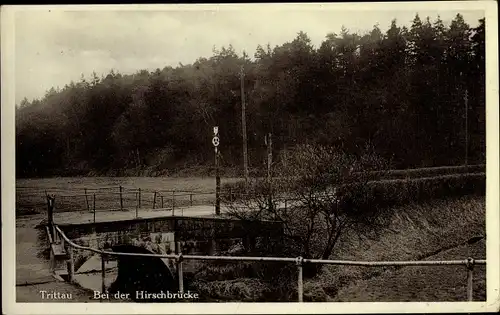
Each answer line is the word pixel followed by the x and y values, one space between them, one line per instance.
pixel 315 220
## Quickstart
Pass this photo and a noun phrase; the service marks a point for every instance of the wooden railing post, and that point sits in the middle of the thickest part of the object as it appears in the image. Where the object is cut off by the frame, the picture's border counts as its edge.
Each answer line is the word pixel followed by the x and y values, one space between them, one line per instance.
pixel 50 210
pixel 61 239
pixel 87 200
pixel 103 273
pixel 121 198
pixel 300 283
pixel 71 264
pixel 139 197
pixel 470 268
pixel 154 200
pixel 52 261
pixel 51 200
pixel 136 205
pixel 180 274
pixel 173 202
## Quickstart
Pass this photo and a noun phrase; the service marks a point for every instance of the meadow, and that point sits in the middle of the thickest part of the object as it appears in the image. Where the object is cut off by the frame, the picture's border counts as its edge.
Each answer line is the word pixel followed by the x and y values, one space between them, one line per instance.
pixel 78 193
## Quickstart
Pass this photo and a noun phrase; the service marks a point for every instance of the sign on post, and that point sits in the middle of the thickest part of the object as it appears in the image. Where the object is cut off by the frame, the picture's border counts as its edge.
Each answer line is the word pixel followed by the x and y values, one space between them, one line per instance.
pixel 215 141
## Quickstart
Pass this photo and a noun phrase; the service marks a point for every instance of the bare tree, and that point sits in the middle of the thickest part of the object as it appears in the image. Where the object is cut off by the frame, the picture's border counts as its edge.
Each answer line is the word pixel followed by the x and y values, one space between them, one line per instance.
pixel 318 196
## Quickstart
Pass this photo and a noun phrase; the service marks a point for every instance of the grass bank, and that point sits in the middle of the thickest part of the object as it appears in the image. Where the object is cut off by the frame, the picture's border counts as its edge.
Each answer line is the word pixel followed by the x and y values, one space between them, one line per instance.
pixel 428 284
pixel 438 229
pixel 416 232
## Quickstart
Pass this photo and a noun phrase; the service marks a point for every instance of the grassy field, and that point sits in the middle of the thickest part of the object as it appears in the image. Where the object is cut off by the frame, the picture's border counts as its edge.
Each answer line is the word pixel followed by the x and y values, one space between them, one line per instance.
pixel 78 193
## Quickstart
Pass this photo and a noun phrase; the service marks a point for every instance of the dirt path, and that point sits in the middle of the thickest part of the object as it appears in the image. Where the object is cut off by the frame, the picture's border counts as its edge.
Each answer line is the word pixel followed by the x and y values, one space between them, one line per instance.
pixel 31 266
pixel 32 269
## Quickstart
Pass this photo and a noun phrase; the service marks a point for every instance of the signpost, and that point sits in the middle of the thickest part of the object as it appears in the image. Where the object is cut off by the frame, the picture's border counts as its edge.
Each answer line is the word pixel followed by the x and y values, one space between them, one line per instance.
pixel 215 142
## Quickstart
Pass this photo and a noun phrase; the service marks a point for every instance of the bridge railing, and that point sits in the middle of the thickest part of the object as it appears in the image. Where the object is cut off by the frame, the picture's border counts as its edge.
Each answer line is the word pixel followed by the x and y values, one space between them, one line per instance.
pixel 123 198
pixel 469 263
pixel 136 200
pixel 128 200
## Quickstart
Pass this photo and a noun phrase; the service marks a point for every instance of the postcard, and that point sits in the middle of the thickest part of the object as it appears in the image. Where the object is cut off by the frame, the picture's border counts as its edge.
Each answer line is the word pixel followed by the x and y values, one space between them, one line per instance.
pixel 250 158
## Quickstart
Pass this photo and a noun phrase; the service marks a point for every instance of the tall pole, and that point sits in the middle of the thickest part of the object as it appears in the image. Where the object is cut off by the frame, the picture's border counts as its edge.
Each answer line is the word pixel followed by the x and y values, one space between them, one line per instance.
pixel 269 143
pixel 244 124
pixel 466 126
pixel 269 156
pixel 215 142
pixel 217 183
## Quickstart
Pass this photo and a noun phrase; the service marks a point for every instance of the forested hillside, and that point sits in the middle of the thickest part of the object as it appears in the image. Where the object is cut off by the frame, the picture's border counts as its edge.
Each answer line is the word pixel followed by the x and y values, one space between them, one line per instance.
pixel 399 91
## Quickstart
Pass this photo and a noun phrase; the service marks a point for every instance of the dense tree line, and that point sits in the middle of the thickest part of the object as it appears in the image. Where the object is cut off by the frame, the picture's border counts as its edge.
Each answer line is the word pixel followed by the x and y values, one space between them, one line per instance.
pixel 400 92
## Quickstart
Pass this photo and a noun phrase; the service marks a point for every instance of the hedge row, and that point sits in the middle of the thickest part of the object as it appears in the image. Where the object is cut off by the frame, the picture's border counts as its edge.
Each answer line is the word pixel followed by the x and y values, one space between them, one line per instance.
pixel 386 193
pixel 422 172
pixel 389 193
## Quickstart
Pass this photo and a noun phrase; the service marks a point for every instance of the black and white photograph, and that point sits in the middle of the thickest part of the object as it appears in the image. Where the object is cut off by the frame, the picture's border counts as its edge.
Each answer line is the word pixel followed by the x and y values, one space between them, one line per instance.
pixel 249 158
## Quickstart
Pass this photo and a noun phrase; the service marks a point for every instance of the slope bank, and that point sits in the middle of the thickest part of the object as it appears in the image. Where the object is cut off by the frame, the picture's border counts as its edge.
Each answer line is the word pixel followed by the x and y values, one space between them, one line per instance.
pixel 436 230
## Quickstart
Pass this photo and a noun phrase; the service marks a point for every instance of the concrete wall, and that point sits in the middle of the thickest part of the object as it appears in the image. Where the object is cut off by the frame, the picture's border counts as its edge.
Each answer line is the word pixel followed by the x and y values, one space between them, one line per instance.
pixel 195 236
pixel 185 228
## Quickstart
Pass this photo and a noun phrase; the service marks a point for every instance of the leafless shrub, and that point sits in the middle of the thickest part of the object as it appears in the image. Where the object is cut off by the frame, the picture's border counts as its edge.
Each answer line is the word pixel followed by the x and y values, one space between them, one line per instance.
pixel 314 194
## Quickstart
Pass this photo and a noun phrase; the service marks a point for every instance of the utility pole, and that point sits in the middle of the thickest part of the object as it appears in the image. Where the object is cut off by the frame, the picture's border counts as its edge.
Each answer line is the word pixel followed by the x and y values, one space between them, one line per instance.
pixel 466 126
pixel 244 124
pixel 269 156
pixel 461 86
pixel 269 143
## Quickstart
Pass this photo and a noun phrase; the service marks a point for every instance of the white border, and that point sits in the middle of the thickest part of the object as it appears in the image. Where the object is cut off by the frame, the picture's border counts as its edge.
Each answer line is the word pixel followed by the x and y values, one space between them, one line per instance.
pixel 492 195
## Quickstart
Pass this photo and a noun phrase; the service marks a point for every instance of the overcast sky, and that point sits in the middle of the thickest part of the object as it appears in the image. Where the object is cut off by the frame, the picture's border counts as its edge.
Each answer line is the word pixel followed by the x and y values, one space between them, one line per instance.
pixel 57 46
